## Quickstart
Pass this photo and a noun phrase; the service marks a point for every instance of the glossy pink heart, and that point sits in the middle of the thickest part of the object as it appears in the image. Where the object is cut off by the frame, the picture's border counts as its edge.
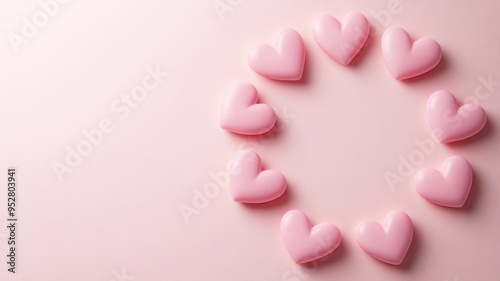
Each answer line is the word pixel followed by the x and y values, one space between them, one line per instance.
pixel 241 114
pixel 249 184
pixel 341 42
pixel 450 188
pixel 406 59
pixel 449 121
pixel 305 242
pixel 286 62
pixel 390 243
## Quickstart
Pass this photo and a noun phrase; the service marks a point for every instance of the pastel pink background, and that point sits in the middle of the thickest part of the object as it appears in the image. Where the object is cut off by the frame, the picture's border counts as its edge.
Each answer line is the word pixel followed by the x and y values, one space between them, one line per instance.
pixel 347 126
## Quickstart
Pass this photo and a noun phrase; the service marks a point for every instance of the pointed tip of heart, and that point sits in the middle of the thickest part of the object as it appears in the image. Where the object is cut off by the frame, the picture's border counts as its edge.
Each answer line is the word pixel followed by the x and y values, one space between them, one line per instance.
pixel 250 130
pixel 265 197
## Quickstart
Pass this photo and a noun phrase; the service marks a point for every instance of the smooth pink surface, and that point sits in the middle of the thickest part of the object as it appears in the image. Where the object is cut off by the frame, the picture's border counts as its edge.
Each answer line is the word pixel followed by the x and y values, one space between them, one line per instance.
pixel 339 132
pixel 341 42
pixel 283 62
pixel 449 121
pixel 449 188
pixel 305 242
pixel 249 184
pixel 390 242
pixel 241 114
pixel 405 58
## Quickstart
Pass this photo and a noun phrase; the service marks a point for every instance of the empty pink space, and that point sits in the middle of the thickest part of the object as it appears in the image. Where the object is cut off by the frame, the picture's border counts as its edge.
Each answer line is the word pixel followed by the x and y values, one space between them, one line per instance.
pixel 111 116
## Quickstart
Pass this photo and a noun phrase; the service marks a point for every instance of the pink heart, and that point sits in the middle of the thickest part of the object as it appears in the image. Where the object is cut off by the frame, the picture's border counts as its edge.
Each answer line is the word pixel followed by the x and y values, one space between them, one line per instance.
pixel 241 114
pixel 449 188
pixel 449 122
pixel 286 62
pixel 305 243
pixel 249 184
pixel 341 42
pixel 406 59
pixel 390 243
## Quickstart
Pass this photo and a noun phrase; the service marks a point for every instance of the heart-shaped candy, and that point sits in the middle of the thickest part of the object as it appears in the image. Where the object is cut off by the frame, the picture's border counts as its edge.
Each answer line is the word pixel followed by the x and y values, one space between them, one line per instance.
pixel 449 122
pixel 405 58
pixel 249 184
pixel 241 114
pixel 341 42
pixel 449 188
pixel 389 243
pixel 286 62
pixel 305 242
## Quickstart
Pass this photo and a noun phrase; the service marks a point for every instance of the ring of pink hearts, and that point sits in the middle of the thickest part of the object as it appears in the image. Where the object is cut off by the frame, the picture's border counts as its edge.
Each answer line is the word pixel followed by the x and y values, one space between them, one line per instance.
pixel 242 114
